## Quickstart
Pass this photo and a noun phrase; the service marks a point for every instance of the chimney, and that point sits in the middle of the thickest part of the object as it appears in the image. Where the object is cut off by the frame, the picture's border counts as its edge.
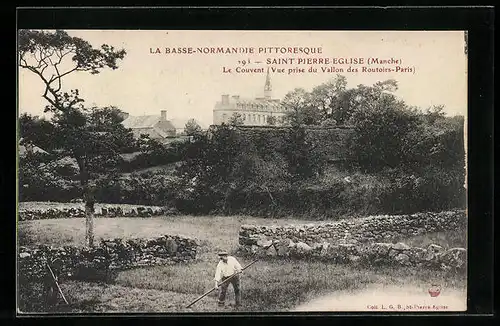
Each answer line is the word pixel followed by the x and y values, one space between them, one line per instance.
pixel 225 99
pixel 164 115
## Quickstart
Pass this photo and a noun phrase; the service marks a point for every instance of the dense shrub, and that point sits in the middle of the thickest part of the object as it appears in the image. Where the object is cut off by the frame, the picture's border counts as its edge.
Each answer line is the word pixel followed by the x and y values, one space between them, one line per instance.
pixel 148 188
pixel 39 180
pixel 257 181
pixel 43 179
pixel 151 153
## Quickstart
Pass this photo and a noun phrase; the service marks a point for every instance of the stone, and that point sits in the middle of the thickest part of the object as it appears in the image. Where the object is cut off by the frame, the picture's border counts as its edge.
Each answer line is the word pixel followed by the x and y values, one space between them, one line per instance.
pixel 244 233
pixel 393 253
pixel 271 251
pixel 324 249
pixel 347 249
pixel 417 254
pixel 254 249
pixel 303 247
pixel 401 246
pixel 435 248
pixel 381 248
pixel 353 258
pixel 455 257
pixel 264 243
pixel 171 246
pixel 282 247
pixel 317 246
pixel 283 251
pixel 403 259
pixel 243 240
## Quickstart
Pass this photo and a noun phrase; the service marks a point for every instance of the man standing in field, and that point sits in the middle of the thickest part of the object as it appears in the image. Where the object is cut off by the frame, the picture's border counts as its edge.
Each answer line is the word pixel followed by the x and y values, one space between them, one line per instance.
pixel 227 267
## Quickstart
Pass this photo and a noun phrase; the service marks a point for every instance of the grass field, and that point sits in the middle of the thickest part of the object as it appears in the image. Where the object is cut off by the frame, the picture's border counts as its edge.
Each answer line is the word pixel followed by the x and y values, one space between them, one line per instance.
pixel 272 284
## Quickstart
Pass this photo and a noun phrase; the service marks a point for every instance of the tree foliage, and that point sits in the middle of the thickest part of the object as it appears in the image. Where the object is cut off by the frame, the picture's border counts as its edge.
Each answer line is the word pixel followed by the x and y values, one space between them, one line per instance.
pixel 37 131
pixel 236 119
pixel 381 123
pixel 192 128
pixel 328 99
pixel 271 121
pixel 299 108
pixel 302 159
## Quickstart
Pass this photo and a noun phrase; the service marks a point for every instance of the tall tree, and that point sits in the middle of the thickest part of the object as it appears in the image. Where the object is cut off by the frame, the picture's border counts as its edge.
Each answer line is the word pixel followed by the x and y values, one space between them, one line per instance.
pixel 299 108
pixel 212 166
pixel 328 99
pixel 192 128
pixel 299 150
pixel 52 57
pixel 236 119
pixel 381 124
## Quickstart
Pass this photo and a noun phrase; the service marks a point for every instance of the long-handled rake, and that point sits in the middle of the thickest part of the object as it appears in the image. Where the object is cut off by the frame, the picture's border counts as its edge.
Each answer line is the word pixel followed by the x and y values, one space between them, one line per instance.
pixel 229 278
pixel 57 284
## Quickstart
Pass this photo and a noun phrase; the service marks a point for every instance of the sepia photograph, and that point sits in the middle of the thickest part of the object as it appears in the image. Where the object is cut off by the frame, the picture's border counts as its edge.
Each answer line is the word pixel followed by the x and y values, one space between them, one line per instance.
pixel 222 171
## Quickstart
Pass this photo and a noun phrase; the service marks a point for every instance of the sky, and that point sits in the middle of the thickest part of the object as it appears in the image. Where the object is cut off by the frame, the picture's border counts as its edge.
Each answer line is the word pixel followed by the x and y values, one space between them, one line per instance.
pixel 189 85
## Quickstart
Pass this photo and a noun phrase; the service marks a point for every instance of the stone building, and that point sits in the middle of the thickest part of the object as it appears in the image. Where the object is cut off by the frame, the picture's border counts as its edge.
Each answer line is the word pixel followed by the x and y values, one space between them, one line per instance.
pixel 155 126
pixel 254 111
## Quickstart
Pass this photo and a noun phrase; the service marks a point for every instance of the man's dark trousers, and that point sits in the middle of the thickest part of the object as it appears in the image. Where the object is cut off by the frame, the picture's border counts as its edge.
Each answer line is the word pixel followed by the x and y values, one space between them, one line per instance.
pixel 235 281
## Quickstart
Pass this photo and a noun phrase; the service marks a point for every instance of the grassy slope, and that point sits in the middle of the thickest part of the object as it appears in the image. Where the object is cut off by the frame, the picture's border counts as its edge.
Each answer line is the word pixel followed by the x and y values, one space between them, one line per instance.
pixel 269 285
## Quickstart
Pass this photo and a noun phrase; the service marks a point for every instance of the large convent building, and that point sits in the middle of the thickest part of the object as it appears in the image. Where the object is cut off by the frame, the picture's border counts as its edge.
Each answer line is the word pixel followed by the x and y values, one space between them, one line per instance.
pixel 254 111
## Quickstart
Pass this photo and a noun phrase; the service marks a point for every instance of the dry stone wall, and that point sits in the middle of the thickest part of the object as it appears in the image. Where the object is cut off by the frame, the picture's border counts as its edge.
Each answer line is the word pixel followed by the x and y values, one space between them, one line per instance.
pixel 365 240
pixel 77 210
pixel 110 254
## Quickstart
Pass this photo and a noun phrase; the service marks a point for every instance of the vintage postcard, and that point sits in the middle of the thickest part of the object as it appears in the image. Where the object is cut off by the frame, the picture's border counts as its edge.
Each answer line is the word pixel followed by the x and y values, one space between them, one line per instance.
pixel 186 171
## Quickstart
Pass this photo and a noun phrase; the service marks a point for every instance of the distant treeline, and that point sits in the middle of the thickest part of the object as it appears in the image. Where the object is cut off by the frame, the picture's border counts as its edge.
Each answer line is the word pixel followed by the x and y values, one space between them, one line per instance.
pixel 392 158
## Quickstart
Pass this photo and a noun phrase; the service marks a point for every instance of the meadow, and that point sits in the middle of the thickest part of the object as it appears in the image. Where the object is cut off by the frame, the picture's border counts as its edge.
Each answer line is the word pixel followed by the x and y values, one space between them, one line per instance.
pixel 272 284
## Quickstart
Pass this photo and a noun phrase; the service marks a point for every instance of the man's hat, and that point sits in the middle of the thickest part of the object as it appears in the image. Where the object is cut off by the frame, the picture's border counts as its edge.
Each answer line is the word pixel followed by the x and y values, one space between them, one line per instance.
pixel 223 253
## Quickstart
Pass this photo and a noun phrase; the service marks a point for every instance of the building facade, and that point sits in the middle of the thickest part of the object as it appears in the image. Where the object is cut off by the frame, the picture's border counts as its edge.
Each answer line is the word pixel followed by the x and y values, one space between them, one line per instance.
pixel 254 111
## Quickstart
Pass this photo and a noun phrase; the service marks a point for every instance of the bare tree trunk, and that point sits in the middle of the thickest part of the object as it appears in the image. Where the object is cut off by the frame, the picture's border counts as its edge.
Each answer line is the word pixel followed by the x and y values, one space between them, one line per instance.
pixel 88 198
pixel 89 220
pixel 226 197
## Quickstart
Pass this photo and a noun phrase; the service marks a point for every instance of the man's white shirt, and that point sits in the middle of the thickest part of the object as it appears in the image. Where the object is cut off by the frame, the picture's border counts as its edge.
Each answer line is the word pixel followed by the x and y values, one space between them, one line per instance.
pixel 227 269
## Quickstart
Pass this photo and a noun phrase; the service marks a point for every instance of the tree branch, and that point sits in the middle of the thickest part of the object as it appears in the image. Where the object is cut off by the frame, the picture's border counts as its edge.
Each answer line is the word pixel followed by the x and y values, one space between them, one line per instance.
pixel 55 101
pixel 67 72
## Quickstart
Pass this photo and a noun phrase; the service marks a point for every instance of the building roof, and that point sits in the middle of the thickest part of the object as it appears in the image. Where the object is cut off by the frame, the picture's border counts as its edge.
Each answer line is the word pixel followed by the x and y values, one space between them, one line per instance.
pixel 34 149
pixel 146 121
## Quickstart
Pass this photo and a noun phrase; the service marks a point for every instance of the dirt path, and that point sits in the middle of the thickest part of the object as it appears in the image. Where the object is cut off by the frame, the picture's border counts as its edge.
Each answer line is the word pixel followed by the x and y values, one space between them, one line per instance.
pixel 389 298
